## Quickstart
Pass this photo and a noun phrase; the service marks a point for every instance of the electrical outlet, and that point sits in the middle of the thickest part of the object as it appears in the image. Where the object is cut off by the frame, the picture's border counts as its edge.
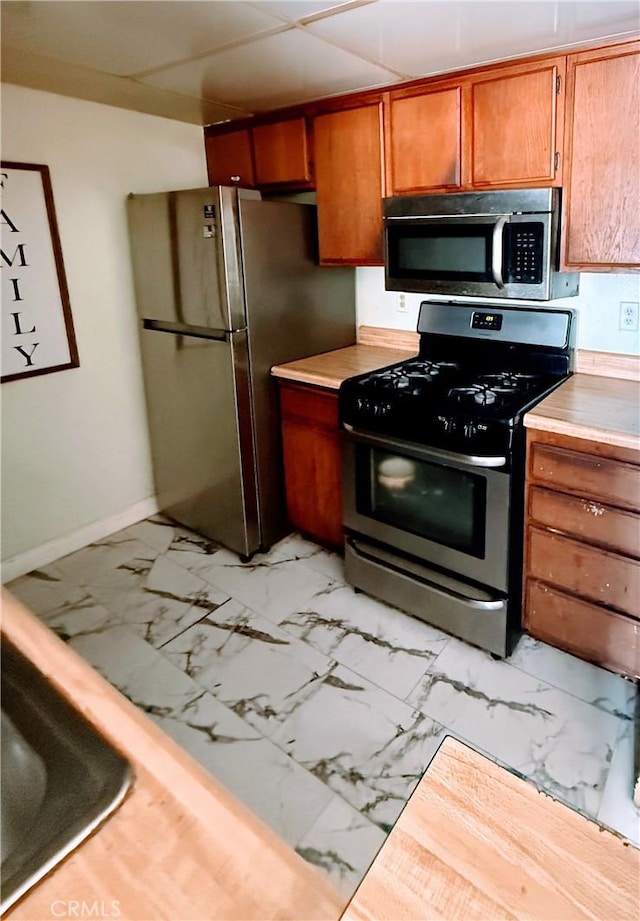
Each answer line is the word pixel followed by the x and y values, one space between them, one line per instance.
pixel 402 304
pixel 628 316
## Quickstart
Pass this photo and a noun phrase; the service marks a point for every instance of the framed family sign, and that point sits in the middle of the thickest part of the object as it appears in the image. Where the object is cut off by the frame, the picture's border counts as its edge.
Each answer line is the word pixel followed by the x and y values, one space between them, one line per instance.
pixel 37 327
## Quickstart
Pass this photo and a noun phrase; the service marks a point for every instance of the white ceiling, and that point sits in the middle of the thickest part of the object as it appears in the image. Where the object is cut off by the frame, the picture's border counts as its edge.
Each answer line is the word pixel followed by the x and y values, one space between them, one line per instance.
pixel 205 62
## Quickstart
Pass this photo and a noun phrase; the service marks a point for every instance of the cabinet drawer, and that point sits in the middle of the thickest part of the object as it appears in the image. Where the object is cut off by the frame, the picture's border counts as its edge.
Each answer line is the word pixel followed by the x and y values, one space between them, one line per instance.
pixel 586 571
pixel 311 405
pixel 593 477
pixel 584 629
pixel 587 519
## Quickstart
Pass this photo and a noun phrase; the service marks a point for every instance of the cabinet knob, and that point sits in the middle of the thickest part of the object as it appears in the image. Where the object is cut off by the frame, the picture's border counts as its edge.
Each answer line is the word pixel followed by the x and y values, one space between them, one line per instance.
pixel 235 178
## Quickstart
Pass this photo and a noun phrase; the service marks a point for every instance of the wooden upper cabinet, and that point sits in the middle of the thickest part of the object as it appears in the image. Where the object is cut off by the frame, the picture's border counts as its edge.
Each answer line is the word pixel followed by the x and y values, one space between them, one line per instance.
pixel 230 158
pixel 424 141
pixel 281 153
pixel 350 185
pixel 498 128
pixel 514 129
pixel 602 200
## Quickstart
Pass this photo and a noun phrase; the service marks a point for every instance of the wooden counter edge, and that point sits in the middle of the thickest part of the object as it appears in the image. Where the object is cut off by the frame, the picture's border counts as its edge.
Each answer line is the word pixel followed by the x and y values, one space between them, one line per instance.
pixel 577 430
pixel 288 887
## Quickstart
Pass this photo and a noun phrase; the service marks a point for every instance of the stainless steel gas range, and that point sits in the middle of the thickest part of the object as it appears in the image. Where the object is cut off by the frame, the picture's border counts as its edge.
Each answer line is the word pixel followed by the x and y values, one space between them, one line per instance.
pixel 434 454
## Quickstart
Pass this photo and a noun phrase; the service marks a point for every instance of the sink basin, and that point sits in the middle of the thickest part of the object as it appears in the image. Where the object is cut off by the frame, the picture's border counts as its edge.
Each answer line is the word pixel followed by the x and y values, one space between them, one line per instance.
pixel 60 777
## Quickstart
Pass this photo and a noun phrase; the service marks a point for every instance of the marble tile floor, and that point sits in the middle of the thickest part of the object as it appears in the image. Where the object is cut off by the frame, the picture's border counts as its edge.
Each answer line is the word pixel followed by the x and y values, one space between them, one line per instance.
pixel 318 706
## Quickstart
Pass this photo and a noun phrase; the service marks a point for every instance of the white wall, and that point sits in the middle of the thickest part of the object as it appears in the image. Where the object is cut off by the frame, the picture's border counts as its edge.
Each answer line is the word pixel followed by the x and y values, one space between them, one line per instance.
pixel 598 306
pixel 75 452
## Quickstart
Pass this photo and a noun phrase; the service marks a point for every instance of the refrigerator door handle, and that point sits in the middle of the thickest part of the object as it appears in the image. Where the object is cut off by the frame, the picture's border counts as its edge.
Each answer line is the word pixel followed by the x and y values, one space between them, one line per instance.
pixel 187 329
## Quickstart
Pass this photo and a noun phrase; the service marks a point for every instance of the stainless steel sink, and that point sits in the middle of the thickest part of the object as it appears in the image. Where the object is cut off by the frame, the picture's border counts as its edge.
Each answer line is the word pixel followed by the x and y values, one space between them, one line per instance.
pixel 60 777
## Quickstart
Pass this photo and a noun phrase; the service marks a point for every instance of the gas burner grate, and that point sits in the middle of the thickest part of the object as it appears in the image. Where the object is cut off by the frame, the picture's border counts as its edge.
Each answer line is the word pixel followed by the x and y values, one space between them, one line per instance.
pixel 409 377
pixel 509 381
pixel 430 368
pixel 481 394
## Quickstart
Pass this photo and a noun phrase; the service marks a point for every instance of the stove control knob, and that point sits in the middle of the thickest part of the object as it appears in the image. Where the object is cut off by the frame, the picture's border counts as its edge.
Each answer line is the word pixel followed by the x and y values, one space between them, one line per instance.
pixel 470 429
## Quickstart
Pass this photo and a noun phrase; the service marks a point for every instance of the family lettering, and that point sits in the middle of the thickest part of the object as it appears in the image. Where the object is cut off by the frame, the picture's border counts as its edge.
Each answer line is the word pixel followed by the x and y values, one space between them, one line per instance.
pixel 37 326
pixel 16 260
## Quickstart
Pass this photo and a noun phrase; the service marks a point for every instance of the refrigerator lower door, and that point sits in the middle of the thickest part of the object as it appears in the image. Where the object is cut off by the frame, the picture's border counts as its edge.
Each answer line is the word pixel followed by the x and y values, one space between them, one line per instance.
pixel 199 413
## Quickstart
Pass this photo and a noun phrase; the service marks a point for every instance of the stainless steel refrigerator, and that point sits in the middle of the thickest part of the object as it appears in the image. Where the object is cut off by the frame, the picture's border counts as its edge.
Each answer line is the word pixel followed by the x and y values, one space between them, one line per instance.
pixel 227 285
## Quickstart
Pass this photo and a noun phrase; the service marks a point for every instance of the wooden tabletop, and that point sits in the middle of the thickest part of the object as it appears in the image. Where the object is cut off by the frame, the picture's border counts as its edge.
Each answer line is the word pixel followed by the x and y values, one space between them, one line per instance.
pixel 476 842
pixel 180 846
pixel 592 407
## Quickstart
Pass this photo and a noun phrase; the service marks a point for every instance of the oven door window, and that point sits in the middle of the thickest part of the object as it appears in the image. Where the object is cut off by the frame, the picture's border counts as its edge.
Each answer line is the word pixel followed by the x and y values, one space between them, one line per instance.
pixel 433 501
pixel 435 251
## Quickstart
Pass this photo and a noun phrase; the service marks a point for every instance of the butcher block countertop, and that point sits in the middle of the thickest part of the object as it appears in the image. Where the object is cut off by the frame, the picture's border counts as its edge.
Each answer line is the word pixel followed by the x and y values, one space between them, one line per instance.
pixel 592 407
pixel 330 369
pixel 476 842
pixel 180 846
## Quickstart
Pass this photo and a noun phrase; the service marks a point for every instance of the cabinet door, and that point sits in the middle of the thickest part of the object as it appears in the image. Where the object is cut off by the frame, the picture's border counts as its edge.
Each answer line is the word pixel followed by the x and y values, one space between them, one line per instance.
pixel 424 141
pixel 349 185
pixel 602 204
pixel 230 158
pixel 281 153
pixel 516 126
pixel 312 462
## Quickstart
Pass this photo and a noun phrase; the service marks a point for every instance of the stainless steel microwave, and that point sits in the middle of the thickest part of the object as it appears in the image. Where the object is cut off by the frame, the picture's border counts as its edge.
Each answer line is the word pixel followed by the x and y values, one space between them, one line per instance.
pixel 485 244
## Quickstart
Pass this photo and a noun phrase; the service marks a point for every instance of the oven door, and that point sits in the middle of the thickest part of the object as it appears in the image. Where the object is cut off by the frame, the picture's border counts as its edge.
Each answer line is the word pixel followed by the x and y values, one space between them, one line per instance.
pixel 446 509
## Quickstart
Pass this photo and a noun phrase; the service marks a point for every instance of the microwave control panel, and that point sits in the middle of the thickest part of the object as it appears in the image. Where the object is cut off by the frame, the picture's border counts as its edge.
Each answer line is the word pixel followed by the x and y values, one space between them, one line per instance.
pixel 524 252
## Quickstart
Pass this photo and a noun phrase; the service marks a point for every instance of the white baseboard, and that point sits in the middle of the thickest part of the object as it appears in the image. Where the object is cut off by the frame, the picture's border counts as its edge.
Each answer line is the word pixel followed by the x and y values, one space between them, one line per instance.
pixel 54 549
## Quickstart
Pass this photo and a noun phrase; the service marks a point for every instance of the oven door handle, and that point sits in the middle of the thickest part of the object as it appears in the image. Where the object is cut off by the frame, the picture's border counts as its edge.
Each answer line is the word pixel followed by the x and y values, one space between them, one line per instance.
pixel 496 249
pixel 472 460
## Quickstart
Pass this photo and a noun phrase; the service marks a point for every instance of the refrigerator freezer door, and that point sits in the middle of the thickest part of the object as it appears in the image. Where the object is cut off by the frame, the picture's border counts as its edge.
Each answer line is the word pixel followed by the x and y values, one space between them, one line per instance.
pixel 194 387
pixel 186 257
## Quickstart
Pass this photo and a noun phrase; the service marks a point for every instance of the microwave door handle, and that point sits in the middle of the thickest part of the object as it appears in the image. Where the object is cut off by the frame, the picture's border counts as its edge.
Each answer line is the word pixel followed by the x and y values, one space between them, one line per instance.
pixel 497 249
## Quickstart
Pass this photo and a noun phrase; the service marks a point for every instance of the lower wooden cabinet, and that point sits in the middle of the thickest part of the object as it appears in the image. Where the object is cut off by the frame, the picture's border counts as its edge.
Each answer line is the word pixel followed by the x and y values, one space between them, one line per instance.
pixel 312 461
pixel 582 549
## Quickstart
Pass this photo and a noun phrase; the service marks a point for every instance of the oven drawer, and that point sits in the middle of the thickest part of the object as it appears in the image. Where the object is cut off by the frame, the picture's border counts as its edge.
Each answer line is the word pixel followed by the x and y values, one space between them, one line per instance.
pixel 600 478
pixel 584 629
pixel 444 601
pixel 589 572
pixel 586 519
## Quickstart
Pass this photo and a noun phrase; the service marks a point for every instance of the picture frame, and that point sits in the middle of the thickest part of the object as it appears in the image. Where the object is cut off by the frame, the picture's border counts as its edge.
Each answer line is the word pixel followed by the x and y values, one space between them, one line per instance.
pixel 38 336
